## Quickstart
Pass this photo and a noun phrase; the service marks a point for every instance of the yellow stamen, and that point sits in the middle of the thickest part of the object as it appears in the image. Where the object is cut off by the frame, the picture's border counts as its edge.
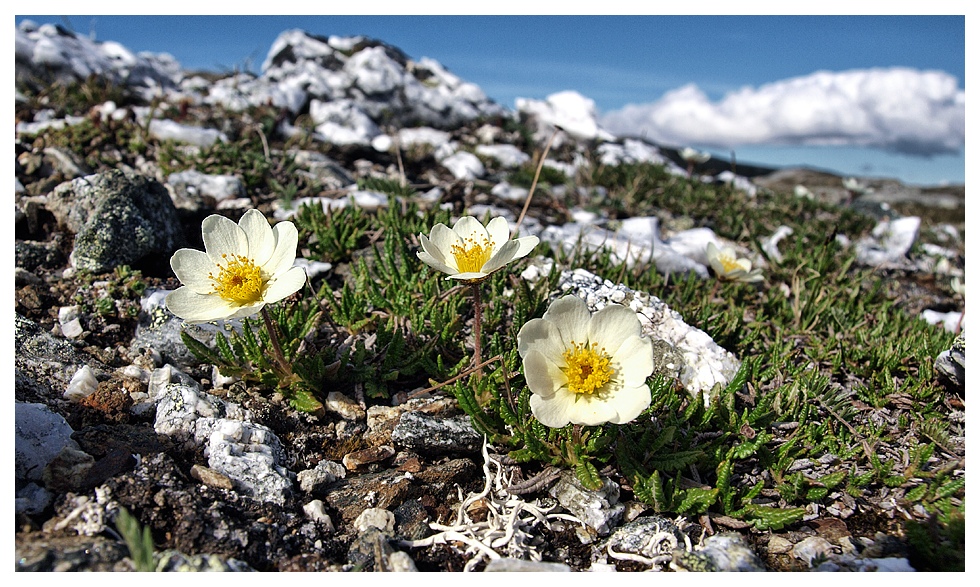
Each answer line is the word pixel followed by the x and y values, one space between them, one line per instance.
pixel 471 256
pixel 729 264
pixel 587 368
pixel 239 281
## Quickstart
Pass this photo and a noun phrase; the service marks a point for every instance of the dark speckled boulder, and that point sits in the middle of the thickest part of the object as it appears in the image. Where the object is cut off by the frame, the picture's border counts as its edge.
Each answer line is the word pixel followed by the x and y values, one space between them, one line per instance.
pixel 118 218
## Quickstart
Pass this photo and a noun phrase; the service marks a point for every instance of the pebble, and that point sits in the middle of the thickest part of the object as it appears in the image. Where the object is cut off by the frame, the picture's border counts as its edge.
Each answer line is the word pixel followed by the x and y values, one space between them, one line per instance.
pixel 600 509
pixel 379 518
pixel 316 511
pixel 516 565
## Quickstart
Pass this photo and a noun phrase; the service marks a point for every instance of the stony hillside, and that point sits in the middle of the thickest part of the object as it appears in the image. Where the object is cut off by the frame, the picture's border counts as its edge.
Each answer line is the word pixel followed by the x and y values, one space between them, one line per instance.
pixel 805 409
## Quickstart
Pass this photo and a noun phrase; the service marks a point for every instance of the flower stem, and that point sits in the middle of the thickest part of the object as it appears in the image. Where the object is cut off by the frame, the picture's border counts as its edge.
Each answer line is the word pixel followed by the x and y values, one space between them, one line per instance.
pixel 280 358
pixel 477 328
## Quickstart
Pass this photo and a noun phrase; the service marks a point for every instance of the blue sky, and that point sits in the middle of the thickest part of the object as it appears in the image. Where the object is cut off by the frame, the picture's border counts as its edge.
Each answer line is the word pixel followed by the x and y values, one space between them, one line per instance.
pixel 712 71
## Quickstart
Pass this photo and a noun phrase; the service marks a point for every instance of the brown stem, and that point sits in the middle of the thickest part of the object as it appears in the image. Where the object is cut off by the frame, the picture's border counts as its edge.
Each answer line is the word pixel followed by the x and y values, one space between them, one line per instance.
pixel 456 378
pixel 477 328
pixel 279 358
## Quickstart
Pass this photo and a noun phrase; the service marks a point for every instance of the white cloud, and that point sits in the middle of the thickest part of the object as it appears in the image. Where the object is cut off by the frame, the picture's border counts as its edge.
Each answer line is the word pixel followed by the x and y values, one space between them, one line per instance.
pixel 897 109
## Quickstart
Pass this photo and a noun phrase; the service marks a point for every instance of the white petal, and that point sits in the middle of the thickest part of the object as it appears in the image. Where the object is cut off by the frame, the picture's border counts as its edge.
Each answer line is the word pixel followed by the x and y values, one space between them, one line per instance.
pixel 543 377
pixel 610 326
pixel 285 252
pixel 629 402
pixel 261 242
pixel 432 250
pixel 192 267
pixel 542 336
pixel 571 316
pixel 194 307
pixel 552 412
pixel 444 239
pixel 499 232
pixel 222 237
pixel 246 311
pixel 712 251
pixel 634 359
pixel 502 257
pixel 527 244
pixel 472 275
pixel 284 285
pixel 587 410
pixel 434 263
pixel 469 227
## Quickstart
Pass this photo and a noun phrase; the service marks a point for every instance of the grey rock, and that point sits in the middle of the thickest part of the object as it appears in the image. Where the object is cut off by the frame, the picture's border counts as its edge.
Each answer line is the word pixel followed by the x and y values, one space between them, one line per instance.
pixel 516 565
pixel 39 436
pixel 32 499
pixel 159 330
pixel 365 548
pixel 600 509
pixel 344 406
pixel 32 255
pixel 252 456
pixel 77 57
pixel 188 415
pixel 319 477
pixel 813 550
pixel 118 218
pixel 176 561
pixel 951 366
pixel 377 78
pixel 322 170
pixel 43 364
pixel 722 553
pixel 71 553
pixel 647 536
pixel 379 518
pixel 429 434
pixel 411 520
pixel 192 189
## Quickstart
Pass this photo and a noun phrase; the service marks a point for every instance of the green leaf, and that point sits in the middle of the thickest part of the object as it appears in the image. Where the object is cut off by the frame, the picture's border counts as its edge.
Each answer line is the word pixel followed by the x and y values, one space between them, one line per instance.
pixel 199 349
pixel 696 500
pixel 221 343
pixel 588 476
pixel 832 480
pixel 916 493
pixel 950 489
pixel 138 541
pixel 767 518
pixel 304 401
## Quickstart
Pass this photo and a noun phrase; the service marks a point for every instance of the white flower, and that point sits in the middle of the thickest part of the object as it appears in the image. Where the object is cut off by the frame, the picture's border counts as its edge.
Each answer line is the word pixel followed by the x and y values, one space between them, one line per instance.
pixel 469 251
pixel 693 155
pixel 730 267
pixel 586 368
pixel 853 185
pixel 802 191
pixel 244 267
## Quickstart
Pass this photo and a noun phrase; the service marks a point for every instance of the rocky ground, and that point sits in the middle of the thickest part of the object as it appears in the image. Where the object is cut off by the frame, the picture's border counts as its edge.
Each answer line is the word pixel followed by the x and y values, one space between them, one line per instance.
pixel 114 413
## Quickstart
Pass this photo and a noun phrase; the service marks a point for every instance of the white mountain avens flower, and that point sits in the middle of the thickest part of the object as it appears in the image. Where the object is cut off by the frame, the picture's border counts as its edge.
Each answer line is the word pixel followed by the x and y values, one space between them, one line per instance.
pixel 243 267
pixel 729 267
pixel 693 155
pixel 585 368
pixel 469 251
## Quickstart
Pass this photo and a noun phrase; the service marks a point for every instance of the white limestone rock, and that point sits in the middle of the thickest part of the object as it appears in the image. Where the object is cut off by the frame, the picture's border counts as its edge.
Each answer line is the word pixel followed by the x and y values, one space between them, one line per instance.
pixel 704 366
pixel 889 242
pixel 506 155
pixel 252 456
pixel 83 384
